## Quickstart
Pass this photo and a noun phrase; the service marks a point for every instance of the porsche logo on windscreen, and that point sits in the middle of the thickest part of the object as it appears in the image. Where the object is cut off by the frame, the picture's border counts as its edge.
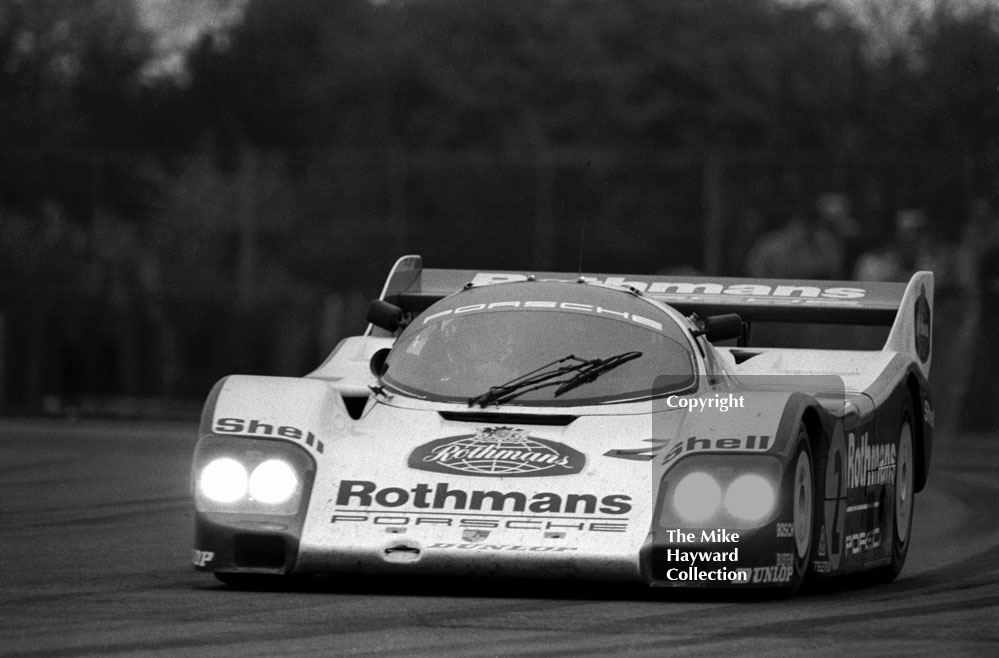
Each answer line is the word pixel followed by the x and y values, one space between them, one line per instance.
pixel 498 451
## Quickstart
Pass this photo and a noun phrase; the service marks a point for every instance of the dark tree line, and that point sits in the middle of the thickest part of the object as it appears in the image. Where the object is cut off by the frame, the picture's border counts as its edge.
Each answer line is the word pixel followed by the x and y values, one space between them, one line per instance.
pixel 310 143
pixel 85 128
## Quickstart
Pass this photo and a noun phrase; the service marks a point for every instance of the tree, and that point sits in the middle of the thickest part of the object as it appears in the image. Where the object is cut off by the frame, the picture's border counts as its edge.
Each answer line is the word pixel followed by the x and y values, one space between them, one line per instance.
pixel 70 95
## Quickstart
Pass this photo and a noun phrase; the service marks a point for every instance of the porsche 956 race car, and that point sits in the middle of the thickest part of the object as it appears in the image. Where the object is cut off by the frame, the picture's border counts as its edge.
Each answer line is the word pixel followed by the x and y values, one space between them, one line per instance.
pixel 626 428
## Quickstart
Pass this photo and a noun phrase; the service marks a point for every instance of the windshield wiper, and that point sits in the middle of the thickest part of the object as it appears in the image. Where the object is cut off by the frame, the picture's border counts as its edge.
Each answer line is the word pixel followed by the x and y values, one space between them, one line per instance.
pixel 594 369
pixel 520 384
pixel 583 371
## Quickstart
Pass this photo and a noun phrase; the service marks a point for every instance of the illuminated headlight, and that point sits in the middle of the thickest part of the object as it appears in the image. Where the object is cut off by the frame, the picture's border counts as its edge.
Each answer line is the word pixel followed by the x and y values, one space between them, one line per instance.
pixel 273 481
pixel 697 497
pixel 241 475
pixel 731 491
pixel 750 497
pixel 223 480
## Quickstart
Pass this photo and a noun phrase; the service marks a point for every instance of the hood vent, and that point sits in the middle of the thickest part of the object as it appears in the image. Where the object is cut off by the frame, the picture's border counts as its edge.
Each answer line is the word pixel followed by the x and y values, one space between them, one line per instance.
pixel 507 418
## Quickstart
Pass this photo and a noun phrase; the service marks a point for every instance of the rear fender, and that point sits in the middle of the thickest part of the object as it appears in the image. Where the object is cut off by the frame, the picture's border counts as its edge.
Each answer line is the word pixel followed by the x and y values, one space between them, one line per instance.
pixel 904 381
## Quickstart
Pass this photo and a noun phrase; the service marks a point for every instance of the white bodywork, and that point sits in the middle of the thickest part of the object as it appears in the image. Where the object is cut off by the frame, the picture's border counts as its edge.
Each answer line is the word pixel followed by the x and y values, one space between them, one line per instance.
pixel 591 524
pixel 384 500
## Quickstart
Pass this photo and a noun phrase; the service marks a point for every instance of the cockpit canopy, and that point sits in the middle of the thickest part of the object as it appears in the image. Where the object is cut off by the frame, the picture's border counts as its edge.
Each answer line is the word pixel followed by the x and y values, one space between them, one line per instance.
pixel 485 337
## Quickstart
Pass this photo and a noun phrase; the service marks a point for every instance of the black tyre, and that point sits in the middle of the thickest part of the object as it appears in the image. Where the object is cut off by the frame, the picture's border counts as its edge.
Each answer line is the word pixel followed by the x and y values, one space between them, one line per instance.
pixel 904 497
pixel 800 498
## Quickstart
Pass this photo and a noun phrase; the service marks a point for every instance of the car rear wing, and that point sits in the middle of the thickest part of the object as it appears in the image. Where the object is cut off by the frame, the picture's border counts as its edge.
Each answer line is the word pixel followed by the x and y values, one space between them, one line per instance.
pixel 413 288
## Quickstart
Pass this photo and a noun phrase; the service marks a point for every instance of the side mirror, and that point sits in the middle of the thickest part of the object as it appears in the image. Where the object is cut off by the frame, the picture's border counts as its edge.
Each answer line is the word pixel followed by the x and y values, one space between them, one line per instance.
pixel 385 315
pixel 377 362
pixel 722 327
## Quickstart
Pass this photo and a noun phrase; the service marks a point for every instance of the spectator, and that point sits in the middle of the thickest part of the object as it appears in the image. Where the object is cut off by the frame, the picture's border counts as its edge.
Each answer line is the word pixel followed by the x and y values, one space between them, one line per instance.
pixel 834 213
pixel 978 253
pixel 806 248
pixel 909 250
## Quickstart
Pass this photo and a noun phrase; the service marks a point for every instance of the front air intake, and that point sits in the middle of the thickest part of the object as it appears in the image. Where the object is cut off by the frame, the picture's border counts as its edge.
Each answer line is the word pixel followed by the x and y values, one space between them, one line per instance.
pixel 258 550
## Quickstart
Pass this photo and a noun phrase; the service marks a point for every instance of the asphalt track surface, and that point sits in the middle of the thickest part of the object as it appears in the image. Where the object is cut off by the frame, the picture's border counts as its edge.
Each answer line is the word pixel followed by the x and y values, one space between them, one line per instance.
pixel 95 534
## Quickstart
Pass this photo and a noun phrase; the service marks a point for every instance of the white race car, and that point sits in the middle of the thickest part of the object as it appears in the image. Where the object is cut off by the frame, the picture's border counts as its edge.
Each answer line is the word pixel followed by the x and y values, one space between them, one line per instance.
pixel 597 427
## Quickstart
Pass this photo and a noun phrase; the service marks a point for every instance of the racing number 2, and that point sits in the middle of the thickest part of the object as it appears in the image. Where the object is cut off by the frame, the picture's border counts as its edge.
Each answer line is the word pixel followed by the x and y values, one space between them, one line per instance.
pixel 835 510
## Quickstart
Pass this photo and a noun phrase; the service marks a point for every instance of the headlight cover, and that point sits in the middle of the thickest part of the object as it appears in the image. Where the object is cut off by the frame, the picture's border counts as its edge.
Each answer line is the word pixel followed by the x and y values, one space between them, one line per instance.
pixel 721 491
pixel 273 482
pixel 697 497
pixel 255 476
pixel 750 497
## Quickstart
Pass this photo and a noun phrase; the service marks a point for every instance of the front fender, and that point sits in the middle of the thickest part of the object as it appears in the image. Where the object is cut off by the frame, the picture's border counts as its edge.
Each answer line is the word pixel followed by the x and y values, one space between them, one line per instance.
pixel 250 420
pixel 764 421
pixel 759 436
pixel 308 412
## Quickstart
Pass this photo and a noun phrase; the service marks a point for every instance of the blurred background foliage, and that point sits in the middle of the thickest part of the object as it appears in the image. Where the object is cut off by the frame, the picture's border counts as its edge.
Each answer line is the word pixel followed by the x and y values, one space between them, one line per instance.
pixel 161 227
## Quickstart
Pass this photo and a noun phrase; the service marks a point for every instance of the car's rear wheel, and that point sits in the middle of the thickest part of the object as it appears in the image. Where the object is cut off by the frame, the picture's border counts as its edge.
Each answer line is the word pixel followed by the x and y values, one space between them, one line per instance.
pixel 801 500
pixel 904 498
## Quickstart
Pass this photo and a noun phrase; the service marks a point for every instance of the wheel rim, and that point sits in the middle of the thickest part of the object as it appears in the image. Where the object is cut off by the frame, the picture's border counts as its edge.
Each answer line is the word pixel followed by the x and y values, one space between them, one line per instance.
pixel 802 505
pixel 903 483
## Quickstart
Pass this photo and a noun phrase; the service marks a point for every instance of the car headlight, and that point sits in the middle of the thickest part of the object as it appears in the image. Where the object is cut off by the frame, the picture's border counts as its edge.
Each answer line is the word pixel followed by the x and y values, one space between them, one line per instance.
pixel 750 497
pixel 223 480
pixel 697 497
pixel 251 476
pixel 273 481
pixel 725 491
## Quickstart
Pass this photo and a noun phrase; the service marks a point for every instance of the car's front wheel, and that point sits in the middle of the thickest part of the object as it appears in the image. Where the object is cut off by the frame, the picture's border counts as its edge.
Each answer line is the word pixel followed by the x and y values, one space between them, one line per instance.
pixel 800 498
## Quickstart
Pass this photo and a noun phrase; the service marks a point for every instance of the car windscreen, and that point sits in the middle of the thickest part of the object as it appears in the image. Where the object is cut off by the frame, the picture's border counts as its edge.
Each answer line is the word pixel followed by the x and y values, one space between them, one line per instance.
pixel 453 356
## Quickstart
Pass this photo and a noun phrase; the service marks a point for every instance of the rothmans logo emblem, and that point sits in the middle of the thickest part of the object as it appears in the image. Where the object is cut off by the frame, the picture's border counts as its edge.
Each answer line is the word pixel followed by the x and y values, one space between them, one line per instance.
pixel 497 451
